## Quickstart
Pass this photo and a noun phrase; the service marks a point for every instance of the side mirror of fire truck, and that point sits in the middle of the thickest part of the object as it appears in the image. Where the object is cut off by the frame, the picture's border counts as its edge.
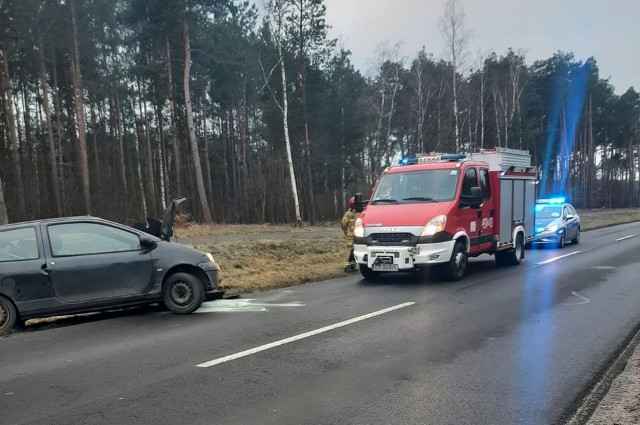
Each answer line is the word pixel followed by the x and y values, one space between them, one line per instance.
pixel 473 200
pixel 359 203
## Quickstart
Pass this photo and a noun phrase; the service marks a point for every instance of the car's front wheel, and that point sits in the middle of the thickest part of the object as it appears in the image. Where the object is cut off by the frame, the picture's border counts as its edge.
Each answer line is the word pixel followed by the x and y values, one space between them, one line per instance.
pixel 182 293
pixel 576 239
pixel 8 315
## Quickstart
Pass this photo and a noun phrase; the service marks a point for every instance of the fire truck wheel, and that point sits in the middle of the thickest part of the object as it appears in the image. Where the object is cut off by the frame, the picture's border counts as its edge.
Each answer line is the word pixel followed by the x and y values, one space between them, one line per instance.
pixel 516 256
pixel 457 265
pixel 367 273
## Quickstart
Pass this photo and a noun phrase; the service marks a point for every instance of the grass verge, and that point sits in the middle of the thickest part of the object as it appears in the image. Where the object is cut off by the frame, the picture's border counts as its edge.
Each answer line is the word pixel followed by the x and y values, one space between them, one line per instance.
pixel 263 265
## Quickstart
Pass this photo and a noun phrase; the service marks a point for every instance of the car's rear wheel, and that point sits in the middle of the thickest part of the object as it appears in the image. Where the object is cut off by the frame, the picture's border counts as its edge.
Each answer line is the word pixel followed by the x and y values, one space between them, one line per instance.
pixel 8 315
pixel 367 273
pixel 576 239
pixel 182 293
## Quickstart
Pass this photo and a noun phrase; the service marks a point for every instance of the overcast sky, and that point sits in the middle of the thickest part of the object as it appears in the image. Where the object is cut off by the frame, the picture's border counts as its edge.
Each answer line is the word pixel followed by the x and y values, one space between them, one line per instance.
pixel 609 30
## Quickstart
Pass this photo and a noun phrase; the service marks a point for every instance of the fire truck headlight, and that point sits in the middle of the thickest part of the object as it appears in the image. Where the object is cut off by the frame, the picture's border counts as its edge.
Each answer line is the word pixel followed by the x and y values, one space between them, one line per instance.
pixel 434 226
pixel 358 230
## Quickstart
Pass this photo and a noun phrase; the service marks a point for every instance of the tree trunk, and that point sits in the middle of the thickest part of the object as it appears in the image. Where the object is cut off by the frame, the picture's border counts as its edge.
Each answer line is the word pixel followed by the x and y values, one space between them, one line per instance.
pixel 455 109
pixel 58 112
pixel 120 133
pixel 172 125
pixel 79 109
pixel 244 148
pixel 148 169
pixel 94 139
pixel 138 174
pixel 307 143
pixel 204 204
pixel 4 219
pixel 285 125
pixel 483 80
pixel 205 144
pixel 162 161
pixel 10 128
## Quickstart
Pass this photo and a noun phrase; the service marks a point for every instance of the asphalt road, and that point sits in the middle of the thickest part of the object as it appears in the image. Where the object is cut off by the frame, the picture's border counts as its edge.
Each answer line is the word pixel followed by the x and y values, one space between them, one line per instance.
pixel 503 346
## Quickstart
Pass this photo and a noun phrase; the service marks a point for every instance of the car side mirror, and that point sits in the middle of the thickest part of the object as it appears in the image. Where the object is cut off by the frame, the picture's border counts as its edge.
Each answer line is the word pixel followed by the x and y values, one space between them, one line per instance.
pixel 473 200
pixel 147 241
pixel 570 217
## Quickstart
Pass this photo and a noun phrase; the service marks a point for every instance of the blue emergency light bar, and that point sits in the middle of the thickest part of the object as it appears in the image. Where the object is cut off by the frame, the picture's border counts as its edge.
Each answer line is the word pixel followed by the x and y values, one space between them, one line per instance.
pixel 408 160
pixel 422 159
pixel 558 200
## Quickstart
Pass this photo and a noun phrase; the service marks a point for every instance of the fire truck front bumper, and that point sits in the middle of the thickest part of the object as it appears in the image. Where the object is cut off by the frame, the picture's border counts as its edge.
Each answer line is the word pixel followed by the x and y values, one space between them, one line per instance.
pixel 403 258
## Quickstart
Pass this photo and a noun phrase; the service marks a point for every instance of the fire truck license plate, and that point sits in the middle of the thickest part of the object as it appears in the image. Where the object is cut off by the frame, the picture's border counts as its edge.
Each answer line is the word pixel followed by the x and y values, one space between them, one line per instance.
pixel 385 267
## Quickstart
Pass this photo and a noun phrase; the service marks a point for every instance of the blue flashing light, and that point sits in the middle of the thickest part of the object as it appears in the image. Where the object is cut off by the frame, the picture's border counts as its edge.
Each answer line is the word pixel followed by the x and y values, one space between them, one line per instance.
pixel 558 200
pixel 407 160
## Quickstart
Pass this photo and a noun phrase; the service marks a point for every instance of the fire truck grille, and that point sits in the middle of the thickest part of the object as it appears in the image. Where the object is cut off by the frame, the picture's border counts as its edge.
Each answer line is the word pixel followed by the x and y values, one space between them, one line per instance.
pixel 391 238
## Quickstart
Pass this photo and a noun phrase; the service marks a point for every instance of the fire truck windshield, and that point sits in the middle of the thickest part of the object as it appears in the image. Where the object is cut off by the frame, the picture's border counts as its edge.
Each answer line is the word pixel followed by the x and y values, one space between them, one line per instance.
pixel 416 186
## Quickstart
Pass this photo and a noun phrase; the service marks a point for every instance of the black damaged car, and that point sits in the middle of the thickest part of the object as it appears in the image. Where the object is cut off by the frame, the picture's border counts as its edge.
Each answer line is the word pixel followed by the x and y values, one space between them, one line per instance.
pixel 80 264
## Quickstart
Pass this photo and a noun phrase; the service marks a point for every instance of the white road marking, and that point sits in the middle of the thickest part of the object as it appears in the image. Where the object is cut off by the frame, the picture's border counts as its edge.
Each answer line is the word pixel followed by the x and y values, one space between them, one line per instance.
pixel 625 237
pixel 551 260
pixel 603 267
pixel 585 300
pixel 241 305
pixel 302 336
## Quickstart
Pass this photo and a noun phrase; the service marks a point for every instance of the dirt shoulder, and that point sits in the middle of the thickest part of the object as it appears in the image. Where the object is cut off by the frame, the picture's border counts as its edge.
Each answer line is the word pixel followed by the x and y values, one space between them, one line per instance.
pixel 621 404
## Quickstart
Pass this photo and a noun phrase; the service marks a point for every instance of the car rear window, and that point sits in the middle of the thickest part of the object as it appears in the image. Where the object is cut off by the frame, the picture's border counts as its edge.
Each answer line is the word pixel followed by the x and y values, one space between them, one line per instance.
pixel 18 245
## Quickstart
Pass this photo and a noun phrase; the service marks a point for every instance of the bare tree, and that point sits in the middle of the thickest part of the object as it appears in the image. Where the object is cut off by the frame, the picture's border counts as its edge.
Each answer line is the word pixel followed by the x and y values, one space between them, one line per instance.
pixel 10 128
pixel 78 100
pixel 423 90
pixel 482 71
pixel 276 10
pixel 47 114
pixel 202 194
pixel 3 208
pixel 387 83
pixel 456 41
pixel 172 125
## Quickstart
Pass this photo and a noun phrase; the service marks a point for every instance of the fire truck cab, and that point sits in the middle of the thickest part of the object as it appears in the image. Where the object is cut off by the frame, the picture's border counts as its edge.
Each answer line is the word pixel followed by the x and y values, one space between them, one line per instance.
pixel 439 210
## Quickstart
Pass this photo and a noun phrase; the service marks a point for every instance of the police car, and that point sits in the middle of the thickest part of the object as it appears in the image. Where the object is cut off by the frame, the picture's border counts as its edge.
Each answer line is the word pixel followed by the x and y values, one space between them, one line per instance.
pixel 556 223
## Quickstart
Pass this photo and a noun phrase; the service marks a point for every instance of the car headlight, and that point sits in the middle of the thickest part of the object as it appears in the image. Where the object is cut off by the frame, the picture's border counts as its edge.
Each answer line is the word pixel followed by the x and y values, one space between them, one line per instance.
pixel 358 230
pixel 210 257
pixel 552 228
pixel 434 226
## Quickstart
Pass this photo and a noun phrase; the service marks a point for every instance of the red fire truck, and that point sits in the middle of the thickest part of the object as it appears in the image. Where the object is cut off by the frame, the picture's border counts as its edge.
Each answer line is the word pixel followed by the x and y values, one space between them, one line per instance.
pixel 439 210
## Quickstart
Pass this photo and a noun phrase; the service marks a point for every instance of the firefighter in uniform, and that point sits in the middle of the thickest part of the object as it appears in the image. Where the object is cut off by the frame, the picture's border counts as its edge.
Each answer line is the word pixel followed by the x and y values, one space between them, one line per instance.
pixel 348 226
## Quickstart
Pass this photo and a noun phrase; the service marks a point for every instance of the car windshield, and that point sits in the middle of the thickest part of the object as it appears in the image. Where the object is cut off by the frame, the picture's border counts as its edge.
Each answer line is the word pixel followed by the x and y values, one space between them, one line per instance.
pixel 416 186
pixel 548 212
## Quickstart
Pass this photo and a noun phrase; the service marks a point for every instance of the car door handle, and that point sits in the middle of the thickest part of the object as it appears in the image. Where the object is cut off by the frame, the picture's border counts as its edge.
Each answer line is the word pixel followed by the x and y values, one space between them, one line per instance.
pixel 45 269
